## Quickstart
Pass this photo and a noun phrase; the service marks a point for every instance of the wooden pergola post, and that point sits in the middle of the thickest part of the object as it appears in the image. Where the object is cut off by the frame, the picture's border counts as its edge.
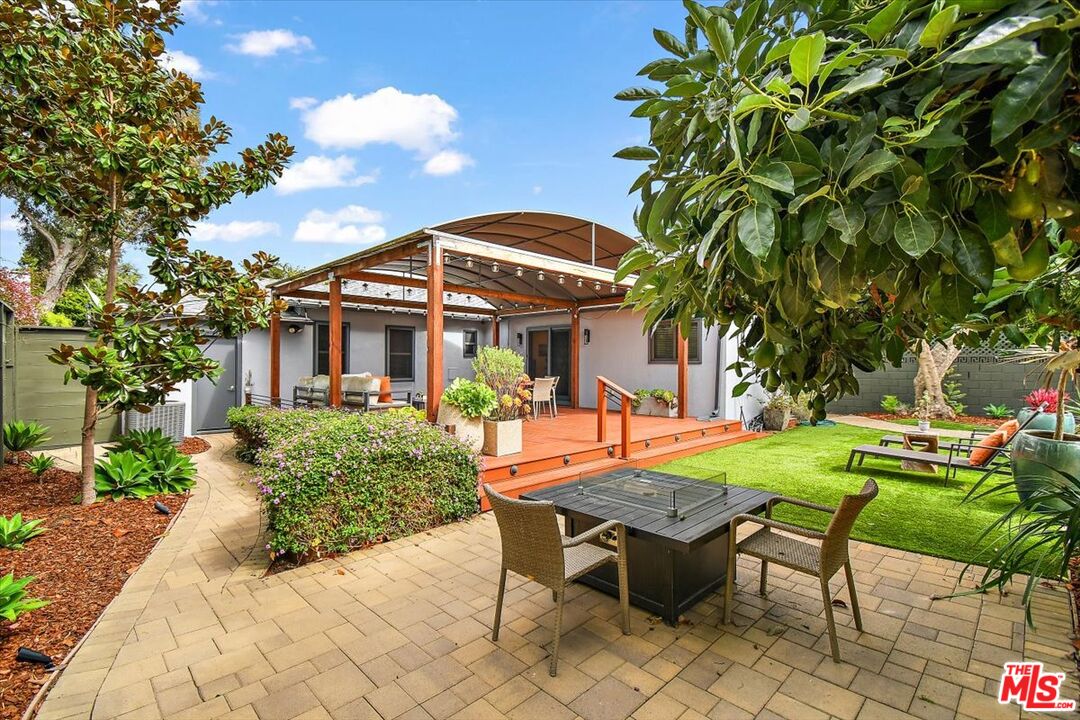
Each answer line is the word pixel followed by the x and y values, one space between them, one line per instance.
pixel 275 359
pixel 495 322
pixel 434 329
pixel 575 357
pixel 335 342
pixel 683 346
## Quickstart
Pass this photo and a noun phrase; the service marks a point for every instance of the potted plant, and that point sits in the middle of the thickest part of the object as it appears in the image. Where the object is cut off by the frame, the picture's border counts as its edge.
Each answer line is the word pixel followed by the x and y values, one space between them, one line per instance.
pixel 1047 419
pixel 503 371
pixel 656 402
pixel 463 406
pixel 1044 459
pixel 923 410
pixel 777 412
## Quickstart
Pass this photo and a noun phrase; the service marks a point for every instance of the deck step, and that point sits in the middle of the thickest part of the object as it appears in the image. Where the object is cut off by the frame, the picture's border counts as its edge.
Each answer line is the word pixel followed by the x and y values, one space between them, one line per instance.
pixel 515 486
pixel 673 451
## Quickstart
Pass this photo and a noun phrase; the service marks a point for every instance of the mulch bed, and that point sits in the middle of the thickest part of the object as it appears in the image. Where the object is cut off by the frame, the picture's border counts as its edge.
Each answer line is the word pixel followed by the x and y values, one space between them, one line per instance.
pixel 193 446
pixel 81 562
pixel 970 419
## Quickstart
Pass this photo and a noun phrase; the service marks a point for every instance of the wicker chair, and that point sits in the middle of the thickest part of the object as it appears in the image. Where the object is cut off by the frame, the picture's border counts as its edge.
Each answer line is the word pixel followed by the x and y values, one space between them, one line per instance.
pixel 822 561
pixel 533 546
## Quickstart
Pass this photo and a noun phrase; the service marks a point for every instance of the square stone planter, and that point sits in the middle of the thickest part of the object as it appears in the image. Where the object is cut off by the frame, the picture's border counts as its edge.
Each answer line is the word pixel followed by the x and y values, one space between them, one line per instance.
pixel 502 437
pixel 654 407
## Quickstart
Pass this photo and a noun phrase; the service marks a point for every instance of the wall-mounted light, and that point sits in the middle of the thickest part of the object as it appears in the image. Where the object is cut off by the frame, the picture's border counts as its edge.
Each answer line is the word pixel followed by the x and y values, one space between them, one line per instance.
pixel 520 339
pixel 588 336
pixel 293 329
pixel 540 276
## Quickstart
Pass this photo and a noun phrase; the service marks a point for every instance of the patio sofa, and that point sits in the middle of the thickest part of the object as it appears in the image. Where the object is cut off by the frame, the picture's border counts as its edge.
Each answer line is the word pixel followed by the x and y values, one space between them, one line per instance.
pixel 362 392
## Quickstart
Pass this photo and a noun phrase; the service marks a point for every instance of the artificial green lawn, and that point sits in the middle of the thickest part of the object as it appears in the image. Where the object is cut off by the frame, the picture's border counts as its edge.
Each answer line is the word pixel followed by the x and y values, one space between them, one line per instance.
pixel 946 424
pixel 913 511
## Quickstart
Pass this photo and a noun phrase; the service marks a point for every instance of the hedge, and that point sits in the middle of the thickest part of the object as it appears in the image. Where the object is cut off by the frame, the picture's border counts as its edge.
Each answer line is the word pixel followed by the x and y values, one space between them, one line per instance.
pixel 334 481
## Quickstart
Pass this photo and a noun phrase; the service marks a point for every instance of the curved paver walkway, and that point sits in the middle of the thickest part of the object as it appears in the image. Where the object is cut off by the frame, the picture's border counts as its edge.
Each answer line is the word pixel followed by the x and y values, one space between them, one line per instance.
pixel 401 631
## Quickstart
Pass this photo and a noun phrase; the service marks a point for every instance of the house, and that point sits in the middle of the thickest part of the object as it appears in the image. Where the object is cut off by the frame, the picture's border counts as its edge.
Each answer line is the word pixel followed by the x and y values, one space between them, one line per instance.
pixel 540 283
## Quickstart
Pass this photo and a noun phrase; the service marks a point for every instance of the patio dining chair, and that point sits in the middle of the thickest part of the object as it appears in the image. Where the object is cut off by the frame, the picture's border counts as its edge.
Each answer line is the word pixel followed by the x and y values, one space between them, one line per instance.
pixel 533 546
pixel 543 391
pixel 822 561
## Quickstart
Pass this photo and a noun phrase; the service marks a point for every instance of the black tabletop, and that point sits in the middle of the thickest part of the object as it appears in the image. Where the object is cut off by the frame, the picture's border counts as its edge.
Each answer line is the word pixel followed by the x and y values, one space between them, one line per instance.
pixel 698 524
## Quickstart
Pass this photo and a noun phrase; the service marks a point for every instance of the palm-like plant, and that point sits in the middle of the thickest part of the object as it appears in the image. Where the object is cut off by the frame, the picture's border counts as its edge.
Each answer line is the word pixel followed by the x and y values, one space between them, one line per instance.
pixel 13 600
pixel 14 531
pixel 124 474
pixel 20 436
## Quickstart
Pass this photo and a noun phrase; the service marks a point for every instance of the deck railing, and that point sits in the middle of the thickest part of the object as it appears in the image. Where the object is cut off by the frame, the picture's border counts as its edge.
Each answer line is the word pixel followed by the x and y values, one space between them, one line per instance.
pixel 606 389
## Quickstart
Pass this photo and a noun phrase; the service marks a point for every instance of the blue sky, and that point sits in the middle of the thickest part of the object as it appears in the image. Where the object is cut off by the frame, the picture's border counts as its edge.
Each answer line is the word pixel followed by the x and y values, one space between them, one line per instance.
pixel 407 114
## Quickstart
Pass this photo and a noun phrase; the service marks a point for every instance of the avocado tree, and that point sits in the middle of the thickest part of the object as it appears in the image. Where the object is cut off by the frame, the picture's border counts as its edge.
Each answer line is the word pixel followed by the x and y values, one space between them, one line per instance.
pixel 839 182
pixel 96 129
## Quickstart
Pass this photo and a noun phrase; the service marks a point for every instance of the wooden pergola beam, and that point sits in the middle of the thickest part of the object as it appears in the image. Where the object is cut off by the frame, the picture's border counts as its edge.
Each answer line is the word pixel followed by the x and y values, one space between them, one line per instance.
pixel 389 302
pixel 390 254
pixel 412 282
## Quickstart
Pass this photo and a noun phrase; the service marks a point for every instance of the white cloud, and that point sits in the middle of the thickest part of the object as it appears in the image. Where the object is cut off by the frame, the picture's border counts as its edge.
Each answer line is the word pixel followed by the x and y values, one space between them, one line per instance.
pixel 302 103
pixel 352 224
pixel 196 10
pixel 234 231
pixel 537 189
pixel 319 171
pixel 10 223
pixel 266 43
pixel 422 123
pixel 182 62
pixel 447 162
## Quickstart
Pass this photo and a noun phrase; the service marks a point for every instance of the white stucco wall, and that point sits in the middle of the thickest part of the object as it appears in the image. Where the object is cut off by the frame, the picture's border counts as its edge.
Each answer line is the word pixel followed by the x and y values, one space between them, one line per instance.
pixel 367 348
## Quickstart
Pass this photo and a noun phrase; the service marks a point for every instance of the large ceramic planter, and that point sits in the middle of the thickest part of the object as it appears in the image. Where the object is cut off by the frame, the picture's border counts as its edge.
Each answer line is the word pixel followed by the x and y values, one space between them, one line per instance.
pixel 1038 459
pixel 502 437
pixel 775 419
pixel 1045 421
pixel 656 408
pixel 471 430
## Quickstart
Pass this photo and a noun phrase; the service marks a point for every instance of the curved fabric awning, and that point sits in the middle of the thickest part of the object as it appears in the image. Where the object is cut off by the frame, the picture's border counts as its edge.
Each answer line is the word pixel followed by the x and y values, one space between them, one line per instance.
pixel 523 256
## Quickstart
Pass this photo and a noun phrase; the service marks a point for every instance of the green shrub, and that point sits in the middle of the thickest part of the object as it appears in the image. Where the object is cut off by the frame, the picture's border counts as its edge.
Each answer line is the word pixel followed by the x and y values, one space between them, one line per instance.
pixel 139 441
pixel 502 370
pixel 667 397
pixel 999 412
pixel 14 531
pixel 171 472
pixel 55 319
pixel 891 404
pixel 334 481
pixel 124 474
pixel 41 464
pixel 472 399
pixel 13 600
pixel 20 436
pixel 256 427
pixel 953 391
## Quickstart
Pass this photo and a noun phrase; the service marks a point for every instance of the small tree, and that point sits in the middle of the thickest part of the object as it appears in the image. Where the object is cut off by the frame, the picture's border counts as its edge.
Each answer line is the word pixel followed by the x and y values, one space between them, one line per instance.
pixel 96 129
pixel 840 181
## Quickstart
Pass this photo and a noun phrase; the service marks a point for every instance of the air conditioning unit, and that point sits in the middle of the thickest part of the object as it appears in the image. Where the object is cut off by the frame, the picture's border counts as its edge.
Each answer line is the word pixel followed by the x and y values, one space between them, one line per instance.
pixel 169 418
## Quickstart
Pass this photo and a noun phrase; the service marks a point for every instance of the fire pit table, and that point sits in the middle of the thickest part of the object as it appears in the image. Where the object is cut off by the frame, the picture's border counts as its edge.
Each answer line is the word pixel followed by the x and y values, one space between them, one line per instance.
pixel 677 531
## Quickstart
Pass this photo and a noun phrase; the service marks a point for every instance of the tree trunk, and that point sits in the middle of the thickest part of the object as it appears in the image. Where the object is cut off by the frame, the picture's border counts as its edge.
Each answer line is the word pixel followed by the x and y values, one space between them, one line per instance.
pixel 934 363
pixel 59 274
pixel 90 408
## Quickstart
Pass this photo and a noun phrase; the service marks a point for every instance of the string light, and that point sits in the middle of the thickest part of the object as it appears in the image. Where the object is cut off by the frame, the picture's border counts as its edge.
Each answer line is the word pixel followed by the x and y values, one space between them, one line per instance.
pixel 613 290
pixel 468 262
pixel 494 267
pixel 519 272
pixel 540 276
pixel 580 282
pixel 562 280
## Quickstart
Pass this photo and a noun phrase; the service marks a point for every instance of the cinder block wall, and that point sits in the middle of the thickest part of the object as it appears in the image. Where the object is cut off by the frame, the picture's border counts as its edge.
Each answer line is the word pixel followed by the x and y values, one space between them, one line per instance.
pixel 984 373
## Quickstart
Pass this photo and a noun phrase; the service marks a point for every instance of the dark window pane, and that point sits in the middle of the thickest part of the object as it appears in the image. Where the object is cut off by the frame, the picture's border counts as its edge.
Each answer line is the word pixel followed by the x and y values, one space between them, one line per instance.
pixel 322 348
pixel 469 341
pixel 399 353
pixel 662 346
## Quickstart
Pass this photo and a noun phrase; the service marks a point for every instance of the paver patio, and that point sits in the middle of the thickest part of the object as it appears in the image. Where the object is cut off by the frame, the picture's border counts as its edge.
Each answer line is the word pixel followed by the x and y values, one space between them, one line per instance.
pixel 402 631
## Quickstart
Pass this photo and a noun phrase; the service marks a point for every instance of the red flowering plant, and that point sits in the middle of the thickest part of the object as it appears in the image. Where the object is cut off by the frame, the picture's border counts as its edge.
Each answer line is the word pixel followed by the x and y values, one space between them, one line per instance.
pixel 1045 395
pixel 15 291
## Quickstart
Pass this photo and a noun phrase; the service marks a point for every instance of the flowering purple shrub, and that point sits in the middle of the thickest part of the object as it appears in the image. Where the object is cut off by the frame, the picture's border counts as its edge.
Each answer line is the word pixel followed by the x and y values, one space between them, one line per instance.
pixel 335 481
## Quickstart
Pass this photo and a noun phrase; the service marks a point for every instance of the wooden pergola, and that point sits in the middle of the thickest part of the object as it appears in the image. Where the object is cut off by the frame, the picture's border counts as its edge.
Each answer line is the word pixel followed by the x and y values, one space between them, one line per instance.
pixel 519 262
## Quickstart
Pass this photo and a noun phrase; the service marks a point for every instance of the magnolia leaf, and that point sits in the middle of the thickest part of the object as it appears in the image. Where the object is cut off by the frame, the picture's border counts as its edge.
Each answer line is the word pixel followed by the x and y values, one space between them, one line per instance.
pixel 1014 106
pixel 671 43
pixel 751 102
pixel 871 78
pixel 849 219
pixel 805 57
pixel 957 296
pixel 992 217
pixel 775 175
pixel 815 223
pixel 974 259
pixel 757 229
pixel 1008 28
pixel 637 93
pixel 914 234
pixel 800 200
pixel 799 120
pixel 939 27
pixel 870 166
pixel 1008 52
pixel 885 20
pixel 637 152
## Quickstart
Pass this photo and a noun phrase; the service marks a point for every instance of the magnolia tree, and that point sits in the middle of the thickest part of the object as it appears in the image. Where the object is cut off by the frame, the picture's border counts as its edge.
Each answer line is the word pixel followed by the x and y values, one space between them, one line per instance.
pixel 96 130
pixel 839 182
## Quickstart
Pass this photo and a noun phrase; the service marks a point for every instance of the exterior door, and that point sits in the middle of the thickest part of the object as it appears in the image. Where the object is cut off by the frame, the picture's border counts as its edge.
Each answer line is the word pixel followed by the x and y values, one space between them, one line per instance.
pixel 549 354
pixel 211 399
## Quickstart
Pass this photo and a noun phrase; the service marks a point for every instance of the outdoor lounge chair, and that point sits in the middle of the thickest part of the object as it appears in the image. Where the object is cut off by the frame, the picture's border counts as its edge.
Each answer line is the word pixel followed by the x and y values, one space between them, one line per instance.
pixel 822 561
pixel 311 391
pixel 533 546
pixel 543 392
pixel 957 458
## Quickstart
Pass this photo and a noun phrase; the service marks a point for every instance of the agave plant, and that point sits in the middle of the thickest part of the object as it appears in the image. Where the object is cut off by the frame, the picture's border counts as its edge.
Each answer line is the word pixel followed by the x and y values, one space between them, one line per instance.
pixel 124 474
pixel 14 531
pixel 1037 537
pixel 171 471
pixel 20 436
pixel 13 600
pixel 41 464
pixel 140 441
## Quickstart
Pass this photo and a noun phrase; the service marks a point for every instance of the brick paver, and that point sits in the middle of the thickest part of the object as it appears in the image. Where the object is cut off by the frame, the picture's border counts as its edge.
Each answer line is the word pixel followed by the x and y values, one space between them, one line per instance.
pixel 401 631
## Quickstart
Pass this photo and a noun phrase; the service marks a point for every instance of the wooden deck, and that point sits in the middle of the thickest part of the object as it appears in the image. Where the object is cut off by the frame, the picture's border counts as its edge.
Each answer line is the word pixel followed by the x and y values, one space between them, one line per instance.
pixel 560 449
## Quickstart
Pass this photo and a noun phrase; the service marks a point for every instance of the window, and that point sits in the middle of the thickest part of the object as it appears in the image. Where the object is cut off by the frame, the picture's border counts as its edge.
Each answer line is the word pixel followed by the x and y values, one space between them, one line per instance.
pixel 399 352
pixel 662 343
pixel 469 341
pixel 321 361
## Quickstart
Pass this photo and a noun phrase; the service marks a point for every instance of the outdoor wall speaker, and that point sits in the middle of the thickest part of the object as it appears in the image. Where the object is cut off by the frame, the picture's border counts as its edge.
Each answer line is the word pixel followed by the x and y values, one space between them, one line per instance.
pixel 588 336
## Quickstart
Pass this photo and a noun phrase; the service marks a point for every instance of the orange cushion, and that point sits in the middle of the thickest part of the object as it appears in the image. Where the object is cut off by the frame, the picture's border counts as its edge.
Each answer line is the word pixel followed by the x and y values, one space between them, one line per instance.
pixel 1009 427
pixel 384 389
pixel 984 450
